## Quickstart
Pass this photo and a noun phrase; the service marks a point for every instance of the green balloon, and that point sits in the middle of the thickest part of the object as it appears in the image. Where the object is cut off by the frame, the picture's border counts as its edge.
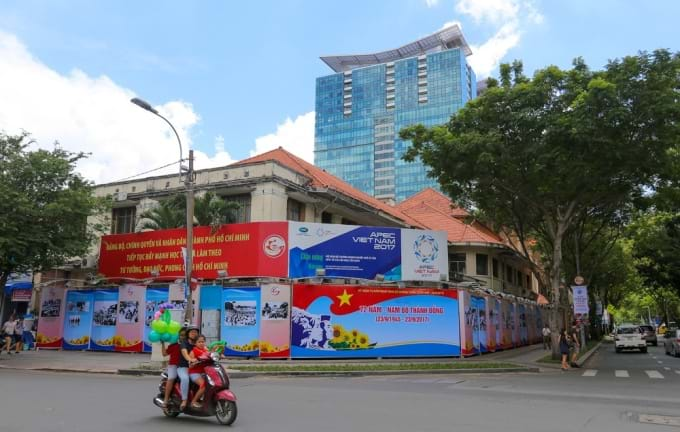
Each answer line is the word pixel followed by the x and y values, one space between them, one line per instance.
pixel 173 327
pixel 159 326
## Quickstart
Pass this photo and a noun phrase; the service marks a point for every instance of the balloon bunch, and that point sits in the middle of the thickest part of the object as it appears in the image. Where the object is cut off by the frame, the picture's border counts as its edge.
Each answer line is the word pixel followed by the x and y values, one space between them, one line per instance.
pixel 163 328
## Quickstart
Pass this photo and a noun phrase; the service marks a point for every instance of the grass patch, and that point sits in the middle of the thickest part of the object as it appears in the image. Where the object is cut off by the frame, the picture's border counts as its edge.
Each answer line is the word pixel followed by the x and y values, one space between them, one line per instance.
pixel 377 367
pixel 589 345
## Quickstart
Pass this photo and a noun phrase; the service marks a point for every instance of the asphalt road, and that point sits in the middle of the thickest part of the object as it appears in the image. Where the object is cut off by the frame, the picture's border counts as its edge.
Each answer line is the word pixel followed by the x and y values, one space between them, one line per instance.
pixel 551 401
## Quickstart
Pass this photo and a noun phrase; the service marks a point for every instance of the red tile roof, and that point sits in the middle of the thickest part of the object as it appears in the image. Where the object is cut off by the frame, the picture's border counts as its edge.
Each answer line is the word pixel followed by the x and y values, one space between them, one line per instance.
pixel 436 212
pixel 322 179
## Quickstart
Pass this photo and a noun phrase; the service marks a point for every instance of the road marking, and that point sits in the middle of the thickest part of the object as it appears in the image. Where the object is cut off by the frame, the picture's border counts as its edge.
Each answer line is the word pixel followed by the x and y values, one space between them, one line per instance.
pixel 659 361
pixel 654 374
pixel 621 374
pixel 677 372
pixel 592 372
pixel 667 368
pixel 654 357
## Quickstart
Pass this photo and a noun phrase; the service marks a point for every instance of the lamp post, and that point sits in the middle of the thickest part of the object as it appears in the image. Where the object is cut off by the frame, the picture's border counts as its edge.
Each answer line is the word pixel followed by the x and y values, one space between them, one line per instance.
pixel 189 187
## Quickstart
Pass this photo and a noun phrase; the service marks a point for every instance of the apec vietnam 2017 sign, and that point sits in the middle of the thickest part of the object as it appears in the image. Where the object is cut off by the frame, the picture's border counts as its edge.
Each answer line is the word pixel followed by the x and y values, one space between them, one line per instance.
pixel 364 252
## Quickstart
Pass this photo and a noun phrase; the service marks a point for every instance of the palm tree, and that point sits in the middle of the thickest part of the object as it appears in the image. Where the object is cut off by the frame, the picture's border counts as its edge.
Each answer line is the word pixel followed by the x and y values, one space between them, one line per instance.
pixel 209 210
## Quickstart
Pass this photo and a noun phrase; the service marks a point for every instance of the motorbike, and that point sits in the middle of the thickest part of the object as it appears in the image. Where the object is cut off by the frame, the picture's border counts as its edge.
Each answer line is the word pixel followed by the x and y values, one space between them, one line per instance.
pixel 218 399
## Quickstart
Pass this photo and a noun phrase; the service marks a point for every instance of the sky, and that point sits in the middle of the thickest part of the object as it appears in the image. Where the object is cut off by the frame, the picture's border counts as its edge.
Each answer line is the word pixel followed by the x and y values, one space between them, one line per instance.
pixel 238 78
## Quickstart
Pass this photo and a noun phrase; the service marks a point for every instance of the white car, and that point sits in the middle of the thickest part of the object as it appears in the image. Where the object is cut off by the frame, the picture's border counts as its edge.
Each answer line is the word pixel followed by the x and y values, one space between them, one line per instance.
pixel 630 337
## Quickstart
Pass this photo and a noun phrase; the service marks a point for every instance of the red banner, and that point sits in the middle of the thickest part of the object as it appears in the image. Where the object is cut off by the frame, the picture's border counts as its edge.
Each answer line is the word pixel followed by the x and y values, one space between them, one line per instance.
pixel 252 249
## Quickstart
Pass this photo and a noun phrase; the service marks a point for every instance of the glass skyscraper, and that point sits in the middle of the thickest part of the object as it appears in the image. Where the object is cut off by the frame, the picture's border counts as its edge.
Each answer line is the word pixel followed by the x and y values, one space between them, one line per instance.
pixel 362 107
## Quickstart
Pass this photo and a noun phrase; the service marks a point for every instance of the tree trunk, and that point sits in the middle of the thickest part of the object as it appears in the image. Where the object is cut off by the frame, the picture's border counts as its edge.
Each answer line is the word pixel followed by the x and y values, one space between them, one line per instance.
pixel 555 272
pixel 3 282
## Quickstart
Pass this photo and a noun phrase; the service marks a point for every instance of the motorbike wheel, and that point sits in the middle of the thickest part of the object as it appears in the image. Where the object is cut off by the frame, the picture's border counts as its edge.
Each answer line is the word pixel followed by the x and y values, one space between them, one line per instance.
pixel 171 413
pixel 226 412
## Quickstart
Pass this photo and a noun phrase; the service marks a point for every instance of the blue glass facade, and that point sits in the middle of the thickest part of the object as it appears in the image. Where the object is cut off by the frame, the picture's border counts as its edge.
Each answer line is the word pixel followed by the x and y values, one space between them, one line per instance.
pixel 359 114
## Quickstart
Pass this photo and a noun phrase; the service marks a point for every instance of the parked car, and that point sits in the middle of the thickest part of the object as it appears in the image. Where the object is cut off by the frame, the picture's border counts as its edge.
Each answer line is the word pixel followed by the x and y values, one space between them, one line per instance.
pixel 629 337
pixel 671 342
pixel 649 334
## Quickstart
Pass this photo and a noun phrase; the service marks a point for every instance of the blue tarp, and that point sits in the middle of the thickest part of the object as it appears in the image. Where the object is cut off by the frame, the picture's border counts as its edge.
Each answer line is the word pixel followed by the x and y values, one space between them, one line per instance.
pixel 11 286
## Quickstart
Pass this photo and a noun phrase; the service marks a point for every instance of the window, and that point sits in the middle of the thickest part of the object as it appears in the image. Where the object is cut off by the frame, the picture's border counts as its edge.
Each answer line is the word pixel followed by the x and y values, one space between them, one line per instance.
pixel 326 217
pixel 123 220
pixel 243 212
pixel 520 279
pixel 482 264
pixel 456 264
pixel 295 211
pixel 495 267
pixel 346 221
pixel 529 282
pixel 509 273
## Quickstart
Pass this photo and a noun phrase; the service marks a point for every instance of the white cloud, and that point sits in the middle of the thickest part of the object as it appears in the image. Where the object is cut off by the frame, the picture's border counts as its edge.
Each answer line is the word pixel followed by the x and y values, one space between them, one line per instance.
pixel 508 16
pixel 221 157
pixel 296 136
pixel 431 3
pixel 452 23
pixel 90 114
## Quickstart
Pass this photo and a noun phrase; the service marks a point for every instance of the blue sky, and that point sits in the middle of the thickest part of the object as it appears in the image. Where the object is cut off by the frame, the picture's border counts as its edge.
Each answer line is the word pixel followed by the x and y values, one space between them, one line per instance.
pixel 237 78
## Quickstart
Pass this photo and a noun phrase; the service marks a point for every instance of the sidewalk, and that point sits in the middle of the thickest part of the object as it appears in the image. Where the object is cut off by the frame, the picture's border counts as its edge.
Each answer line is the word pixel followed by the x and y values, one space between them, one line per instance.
pixel 113 362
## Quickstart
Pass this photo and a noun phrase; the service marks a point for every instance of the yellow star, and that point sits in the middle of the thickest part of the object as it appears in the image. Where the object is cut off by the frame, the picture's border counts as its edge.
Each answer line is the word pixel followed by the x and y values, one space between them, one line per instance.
pixel 344 298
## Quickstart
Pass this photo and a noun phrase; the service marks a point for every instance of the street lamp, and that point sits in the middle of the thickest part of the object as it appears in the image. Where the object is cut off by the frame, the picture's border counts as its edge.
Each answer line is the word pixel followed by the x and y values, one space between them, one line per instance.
pixel 189 186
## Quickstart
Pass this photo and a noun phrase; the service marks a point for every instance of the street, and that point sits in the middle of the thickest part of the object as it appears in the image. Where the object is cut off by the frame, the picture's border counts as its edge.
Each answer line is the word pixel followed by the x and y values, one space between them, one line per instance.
pixel 598 397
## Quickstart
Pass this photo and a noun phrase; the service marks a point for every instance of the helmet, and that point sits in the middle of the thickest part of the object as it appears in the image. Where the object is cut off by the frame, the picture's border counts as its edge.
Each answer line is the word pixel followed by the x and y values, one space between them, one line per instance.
pixel 191 327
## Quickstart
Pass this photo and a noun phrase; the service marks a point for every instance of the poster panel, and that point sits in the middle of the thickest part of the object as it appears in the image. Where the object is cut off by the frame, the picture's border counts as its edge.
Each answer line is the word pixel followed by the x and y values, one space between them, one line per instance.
pixel 467 339
pixel 104 320
pixel 580 294
pixel 51 322
pixel 424 255
pixel 130 320
pixel 250 249
pixel 240 327
pixel 154 298
pixel 78 320
pixel 508 324
pixel 275 327
pixel 514 310
pixel 479 324
pixel 341 321
pixel 344 250
pixel 523 329
pixel 492 320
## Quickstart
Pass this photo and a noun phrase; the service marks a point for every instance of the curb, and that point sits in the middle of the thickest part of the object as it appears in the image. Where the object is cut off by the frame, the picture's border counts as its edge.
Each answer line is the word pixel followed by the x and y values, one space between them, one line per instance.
pixel 584 358
pixel 236 374
pixel 64 370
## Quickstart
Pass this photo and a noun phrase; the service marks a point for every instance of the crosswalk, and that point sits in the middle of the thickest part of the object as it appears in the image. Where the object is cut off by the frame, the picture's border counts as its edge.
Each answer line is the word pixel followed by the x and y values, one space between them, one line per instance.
pixel 622 373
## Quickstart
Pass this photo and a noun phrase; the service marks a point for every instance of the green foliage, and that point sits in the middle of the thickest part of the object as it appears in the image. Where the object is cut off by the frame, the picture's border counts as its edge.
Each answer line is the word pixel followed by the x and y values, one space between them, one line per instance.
pixel 45 207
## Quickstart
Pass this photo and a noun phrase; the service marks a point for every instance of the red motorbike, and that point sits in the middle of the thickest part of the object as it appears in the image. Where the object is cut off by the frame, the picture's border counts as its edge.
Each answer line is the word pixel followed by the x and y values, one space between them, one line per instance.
pixel 218 400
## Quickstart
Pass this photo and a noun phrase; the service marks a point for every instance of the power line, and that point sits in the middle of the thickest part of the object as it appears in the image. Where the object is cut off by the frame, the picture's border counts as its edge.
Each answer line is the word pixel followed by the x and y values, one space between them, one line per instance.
pixel 146 172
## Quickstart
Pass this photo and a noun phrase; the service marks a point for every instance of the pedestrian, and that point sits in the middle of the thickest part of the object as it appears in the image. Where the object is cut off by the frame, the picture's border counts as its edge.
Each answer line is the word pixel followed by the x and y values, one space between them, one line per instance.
pixel 19 336
pixel 564 349
pixel 575 346
pixel 8 330
pixel 547 343
pixel 173 351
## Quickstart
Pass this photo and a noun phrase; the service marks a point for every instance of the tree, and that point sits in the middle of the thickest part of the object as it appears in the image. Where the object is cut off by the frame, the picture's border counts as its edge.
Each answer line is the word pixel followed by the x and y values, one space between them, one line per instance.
pixel 44 205
pixel 537 154
pixel 209 210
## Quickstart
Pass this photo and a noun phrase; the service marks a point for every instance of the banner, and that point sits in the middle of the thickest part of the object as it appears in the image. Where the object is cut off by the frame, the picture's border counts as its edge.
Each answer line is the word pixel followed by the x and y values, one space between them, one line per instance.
pixel 514 310
pixel 130 323
pixel 78 320
pixel 275 327
pixel 479 324
pixel 251 249
pixel 364 252
pixel 240 321
pixel 154 298
pixel 345 321
pixel 51 323
pixel 467 339
pixel 523 329
pixel 492 319
pixel 21 295
pixel 104 320
pixel 580 299
pixel 508 325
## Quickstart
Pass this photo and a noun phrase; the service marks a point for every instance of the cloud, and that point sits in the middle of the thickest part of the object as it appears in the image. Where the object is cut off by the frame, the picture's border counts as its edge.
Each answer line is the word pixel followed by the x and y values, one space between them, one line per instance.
pixel 296 136
pixel 508 17
pixel 431 3
pixel 92 115
pixel 452 23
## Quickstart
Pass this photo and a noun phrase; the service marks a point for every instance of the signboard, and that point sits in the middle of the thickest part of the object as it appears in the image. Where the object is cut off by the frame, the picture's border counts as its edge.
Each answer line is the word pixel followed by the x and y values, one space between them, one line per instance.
pixel 364 252
pixel 580 299
pixel 51 323
pixel 598 307
pixel 104 320
pixel 241 321
pixel 345 321
pixel 130 320
pixel 275 326
pixel 78 320
pixel 154 298
pixel 252 249
pixel 21 295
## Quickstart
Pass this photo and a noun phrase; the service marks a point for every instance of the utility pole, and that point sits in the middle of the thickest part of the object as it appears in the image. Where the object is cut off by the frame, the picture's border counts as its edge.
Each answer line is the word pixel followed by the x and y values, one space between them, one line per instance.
pixel 189 258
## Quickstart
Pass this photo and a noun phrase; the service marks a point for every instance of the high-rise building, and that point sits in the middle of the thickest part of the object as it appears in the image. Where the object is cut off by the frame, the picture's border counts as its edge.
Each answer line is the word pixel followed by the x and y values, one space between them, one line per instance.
pixel 361 108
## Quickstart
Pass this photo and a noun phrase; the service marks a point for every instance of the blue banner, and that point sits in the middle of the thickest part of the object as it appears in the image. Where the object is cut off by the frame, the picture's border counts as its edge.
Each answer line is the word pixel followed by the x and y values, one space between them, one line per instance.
pixel 240 327
pixel 479 325
pixel 344 251
pixel 78 320
pixel 104 320
pixel 154 298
